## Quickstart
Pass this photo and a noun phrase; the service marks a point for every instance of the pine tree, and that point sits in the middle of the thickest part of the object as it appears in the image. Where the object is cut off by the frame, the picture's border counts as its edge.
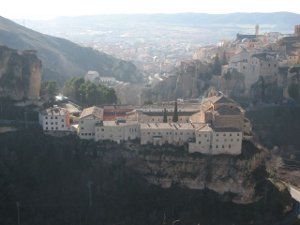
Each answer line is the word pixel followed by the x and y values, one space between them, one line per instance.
pixel 165 118
pixel 175 115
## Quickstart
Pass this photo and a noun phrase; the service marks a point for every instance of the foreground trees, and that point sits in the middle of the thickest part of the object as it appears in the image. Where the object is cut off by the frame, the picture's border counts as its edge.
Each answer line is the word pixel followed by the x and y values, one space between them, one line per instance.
pixel 88 94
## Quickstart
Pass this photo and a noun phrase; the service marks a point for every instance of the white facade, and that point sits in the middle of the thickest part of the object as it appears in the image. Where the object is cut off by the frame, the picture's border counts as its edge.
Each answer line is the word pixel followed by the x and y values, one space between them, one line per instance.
pixel 117 131
pixel 218 141
pixel 167 133
pixel 87 122
pixel 55 119
pixel 227 141
pixel 91 76
pixel 203 140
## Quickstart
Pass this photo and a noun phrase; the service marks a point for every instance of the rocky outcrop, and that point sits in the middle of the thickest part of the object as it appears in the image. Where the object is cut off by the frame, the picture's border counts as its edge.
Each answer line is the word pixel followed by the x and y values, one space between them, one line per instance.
pixel 20 74
pixel 222 174
pixel 190 80
pixel 231 83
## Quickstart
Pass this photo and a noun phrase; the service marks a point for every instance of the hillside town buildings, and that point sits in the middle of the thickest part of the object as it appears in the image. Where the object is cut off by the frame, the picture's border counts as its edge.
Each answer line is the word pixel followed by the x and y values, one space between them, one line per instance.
pixel 216 125
pixel 252 59
pixel 55 120
pixel 89 118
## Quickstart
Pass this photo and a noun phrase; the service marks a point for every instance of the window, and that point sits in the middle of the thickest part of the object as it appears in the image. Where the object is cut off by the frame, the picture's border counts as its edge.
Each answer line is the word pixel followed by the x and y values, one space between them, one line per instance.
pixel 56 128
pixel 199 142
pixel 56 117
pixel 46 128
pixel 205 135
pixel 238 134
pixel 217 135
pixel 222 146
pixel 62 120
pixel 46 117
pixel 238 139
pixel 46 122
pixel 229 146
pixel 217 146
pixel 62 125
pixel 230 134
pixel 224 135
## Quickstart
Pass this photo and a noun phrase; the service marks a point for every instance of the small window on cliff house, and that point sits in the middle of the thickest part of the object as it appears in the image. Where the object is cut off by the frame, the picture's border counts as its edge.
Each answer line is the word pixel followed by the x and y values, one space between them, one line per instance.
pixel 217 146
pixel 229 146
pixel 238 134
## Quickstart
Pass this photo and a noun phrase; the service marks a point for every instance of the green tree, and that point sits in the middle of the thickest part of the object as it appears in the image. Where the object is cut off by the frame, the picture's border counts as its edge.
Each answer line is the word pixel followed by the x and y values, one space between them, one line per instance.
pixel 294 91
pixel 175 115
pixel 88 94
pixel 49 89
pixel 224 59
pixel 216 66
pixel 165 118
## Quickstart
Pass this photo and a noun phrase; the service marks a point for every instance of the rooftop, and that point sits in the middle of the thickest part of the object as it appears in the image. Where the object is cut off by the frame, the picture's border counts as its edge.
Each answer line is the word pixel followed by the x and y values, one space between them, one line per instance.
pixel 95 111
pixel 55 111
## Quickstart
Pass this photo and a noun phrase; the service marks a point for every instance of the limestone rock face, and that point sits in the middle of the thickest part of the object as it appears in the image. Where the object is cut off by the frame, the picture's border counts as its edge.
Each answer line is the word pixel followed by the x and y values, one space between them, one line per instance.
pixel 20 74
pixel 222 174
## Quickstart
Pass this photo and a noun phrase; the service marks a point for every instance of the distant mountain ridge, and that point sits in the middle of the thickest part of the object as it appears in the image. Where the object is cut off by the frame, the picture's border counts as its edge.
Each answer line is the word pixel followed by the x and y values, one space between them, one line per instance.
pixel 279 20
pixel 62 58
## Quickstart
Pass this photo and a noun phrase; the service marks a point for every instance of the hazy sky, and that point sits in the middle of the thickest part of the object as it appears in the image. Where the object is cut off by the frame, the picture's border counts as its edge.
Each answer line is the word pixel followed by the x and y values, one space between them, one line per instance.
pixel 45 9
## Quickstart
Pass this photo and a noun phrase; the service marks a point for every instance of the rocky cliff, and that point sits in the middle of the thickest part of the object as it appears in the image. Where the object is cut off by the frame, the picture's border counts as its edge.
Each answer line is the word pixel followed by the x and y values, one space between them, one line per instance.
pixel 20 74
pixel 222 174
pixel 190 80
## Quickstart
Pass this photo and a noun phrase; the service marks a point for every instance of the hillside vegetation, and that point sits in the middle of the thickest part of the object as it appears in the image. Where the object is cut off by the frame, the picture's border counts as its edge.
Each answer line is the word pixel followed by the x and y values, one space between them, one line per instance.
pixel 277 126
